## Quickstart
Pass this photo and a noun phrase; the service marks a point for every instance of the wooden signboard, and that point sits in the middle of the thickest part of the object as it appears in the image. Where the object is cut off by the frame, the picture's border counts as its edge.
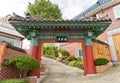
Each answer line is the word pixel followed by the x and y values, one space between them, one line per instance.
pixel 2 53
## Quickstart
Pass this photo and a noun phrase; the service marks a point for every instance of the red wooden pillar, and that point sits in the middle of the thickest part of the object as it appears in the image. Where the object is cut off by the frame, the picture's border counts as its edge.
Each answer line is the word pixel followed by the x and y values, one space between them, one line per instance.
pixel 34 53
pixel 89 56
pixel 84 58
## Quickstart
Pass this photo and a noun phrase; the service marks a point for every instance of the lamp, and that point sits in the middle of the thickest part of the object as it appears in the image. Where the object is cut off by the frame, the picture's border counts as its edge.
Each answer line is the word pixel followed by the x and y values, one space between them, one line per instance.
pixel 33 33
pixel 90 33
pixel 28 37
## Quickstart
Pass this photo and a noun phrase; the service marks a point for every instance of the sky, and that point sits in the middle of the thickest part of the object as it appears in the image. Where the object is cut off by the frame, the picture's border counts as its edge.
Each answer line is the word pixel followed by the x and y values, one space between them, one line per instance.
pixel 69 8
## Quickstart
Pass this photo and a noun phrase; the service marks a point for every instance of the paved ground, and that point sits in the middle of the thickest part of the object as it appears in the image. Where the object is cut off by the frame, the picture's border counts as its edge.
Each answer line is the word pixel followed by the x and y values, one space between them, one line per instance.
pixel 60 73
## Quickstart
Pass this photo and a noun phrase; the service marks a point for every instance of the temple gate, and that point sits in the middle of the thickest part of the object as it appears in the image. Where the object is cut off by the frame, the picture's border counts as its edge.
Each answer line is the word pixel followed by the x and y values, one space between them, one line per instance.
pixel 50 31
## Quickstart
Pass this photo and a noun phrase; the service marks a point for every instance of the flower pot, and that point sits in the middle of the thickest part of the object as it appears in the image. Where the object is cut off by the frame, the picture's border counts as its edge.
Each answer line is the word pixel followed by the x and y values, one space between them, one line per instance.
pixel 102 68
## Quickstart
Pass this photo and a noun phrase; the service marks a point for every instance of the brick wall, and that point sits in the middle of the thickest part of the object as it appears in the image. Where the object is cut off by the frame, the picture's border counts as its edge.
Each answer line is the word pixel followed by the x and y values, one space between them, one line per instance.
pixel 10 51
pixel 70 47
pixel 11 71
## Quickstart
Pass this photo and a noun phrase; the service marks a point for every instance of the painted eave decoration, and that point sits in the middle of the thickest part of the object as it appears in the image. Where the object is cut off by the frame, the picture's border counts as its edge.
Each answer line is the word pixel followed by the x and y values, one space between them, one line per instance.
pixel 27 25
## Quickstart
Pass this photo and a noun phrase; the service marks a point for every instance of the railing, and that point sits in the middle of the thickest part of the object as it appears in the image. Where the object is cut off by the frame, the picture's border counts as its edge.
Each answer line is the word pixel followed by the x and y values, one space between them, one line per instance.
pixel 97 4
pixel 103 1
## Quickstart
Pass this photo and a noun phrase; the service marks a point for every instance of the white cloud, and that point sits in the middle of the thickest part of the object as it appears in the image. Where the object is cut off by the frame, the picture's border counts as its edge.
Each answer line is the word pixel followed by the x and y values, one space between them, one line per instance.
pixel 10 6
pixel 69 13
pixel 71 8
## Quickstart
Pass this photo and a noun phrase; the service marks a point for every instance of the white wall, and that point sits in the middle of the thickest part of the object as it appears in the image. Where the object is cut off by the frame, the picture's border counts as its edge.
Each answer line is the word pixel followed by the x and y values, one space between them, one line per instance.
pixel 111 42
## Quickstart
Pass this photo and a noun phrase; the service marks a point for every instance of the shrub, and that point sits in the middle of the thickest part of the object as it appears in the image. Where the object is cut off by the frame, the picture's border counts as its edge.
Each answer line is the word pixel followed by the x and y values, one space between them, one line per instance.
pixel 64 52
pixel 5 62
pixel 75 63
pixel 79 59
pixel 71 58
pixel 24 62
pixel 14 81
pixel 100 61
pixel 65 61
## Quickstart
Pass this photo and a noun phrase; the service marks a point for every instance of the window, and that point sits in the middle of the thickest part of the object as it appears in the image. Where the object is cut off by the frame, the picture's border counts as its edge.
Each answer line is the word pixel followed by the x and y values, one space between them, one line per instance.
pixel 7 40
pixel 116 11
pixel 78 53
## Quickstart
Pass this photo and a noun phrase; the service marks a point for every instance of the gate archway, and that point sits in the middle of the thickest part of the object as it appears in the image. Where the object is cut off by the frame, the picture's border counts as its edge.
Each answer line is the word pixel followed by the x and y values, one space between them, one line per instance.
pixel 70 41
pixel 42 30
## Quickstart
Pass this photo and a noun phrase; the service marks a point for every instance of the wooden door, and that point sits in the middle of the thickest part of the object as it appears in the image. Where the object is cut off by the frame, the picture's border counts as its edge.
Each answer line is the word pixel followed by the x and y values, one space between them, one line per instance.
pixel 116 39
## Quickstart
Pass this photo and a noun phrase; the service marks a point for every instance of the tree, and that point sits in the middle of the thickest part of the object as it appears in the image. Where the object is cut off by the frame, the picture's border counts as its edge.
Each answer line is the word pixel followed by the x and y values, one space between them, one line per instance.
pixel 23 62
pixel 44 9
pixel 50 51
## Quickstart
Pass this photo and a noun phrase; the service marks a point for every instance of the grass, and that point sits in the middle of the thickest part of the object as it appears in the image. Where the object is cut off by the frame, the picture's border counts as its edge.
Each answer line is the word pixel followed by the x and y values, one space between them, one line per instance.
pixel 14 81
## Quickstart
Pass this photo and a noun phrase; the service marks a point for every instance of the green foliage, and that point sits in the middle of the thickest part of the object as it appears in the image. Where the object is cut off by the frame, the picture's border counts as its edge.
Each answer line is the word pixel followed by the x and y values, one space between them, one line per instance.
pixel 79 59
pixel 75 63
pixel 44 9
pixel 50 51
pixel 64 52
pixel 15 81
pixel 71 58
pixel 100 61
pixel 24 62
pixel 65 61
pixel 5 62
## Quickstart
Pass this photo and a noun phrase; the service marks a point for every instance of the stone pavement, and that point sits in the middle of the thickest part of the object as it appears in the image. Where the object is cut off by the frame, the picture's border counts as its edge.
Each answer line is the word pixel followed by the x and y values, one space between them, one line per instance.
pixel 60 73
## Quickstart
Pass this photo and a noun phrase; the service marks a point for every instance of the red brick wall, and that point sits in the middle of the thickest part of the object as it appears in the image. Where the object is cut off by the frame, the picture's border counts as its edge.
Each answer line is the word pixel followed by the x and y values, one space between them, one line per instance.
pixel 70 47
pixel 10 71
pixel 10 52
pixel 115 22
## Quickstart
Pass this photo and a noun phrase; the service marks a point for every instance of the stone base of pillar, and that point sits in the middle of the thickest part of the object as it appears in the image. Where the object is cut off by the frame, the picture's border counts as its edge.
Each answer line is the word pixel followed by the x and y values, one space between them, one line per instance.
pixel 35 72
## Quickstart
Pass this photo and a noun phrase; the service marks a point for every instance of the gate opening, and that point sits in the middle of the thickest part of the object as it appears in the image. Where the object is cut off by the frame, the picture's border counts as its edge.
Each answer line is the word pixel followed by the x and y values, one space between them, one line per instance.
pixel 65 53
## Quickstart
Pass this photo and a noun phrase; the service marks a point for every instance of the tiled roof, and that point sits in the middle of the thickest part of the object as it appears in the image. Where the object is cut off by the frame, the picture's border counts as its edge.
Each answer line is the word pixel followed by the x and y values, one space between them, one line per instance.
pixel 99 41
pixel 8 29
pixel 17 18
pixel 12 32
pixel 16 48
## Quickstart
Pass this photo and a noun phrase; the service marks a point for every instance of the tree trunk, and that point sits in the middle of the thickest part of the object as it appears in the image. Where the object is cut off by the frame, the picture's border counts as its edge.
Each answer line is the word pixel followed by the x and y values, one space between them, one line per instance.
pixel 20 73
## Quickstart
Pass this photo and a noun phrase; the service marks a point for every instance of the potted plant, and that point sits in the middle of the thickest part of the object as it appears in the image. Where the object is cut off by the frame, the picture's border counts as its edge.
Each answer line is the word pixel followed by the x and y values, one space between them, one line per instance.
pixel 101 65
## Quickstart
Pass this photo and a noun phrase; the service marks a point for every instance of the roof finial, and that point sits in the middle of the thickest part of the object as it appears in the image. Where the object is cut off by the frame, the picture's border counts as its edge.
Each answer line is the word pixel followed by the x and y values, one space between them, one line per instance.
pixel 28 15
